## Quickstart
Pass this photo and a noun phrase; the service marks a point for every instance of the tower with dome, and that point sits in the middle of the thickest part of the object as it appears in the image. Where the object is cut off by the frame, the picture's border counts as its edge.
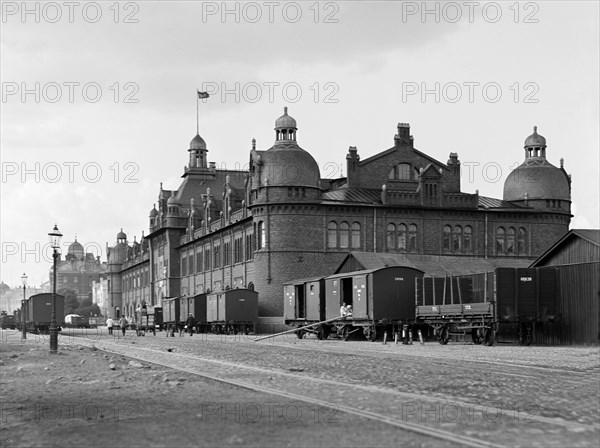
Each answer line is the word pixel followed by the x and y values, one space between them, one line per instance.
pixel 280 220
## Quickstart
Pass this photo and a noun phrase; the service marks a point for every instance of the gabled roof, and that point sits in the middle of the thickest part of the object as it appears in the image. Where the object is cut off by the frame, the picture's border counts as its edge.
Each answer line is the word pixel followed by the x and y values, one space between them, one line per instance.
pixel 433 264
pixel 394 148
pixel 590 235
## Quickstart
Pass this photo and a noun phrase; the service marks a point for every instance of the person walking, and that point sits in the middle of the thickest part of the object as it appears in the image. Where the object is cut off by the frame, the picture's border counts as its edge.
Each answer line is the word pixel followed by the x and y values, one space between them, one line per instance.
pixel 190 323
pixel 110 324
pixel 123 324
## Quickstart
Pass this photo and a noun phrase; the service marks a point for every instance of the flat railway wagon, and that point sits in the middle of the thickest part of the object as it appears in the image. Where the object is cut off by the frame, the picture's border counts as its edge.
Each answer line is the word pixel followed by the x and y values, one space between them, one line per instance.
pixel 509 302
pixel 38 312
pixel 232 311
pixel 304 304
pixel 171 313
pixel 381 299
pixel 196 306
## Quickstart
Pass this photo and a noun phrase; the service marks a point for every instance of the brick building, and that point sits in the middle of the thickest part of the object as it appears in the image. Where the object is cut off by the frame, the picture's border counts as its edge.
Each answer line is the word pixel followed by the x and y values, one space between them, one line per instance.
pixel 280 220
pixel 78 271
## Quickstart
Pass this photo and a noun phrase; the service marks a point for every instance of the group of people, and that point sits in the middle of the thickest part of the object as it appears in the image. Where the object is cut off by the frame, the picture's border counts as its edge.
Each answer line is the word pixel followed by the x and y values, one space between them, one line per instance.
pixel 110 324
pixel 345 310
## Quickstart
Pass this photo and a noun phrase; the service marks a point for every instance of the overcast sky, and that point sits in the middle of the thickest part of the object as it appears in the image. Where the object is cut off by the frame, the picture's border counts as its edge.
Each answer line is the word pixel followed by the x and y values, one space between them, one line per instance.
pixel 99 99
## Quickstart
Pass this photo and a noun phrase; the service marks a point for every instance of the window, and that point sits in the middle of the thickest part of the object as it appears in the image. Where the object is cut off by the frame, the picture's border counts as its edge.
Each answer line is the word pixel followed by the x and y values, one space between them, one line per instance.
pixel 217 256
pixel 183 265
pixel 402 237
pixel 199 261
pixel 390 236
pixel 356 235
pixel 261 241
pixel 332 234
pixel 446 238
pixel 500 244
pixel 344 235
pixel 412 238
pixel 522 241
pixel 191 263
pixel 403 171
pixel 457 239
pixel 468 239
pixel 510 241
pixel 207 259
pixel 227 254
pixel 249 251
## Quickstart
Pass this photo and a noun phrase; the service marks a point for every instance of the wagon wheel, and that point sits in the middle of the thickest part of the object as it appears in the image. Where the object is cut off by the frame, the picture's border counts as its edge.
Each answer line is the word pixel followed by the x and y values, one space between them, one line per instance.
pixel 345 333
pixel 443 335
pixel 525 333
pixel 300 334
pixel 476 336
pixel 370 333
pixel 489 337
pixel 321 333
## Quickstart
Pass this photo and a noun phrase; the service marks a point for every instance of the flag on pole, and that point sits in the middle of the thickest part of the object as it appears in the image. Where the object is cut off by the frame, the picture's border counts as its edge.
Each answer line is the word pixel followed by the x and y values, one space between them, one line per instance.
pixel 203 95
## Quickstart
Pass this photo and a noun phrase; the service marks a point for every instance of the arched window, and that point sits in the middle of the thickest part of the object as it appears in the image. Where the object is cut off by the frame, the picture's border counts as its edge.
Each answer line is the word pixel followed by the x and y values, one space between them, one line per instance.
pixel 402 237
pixel 261 240
pixel 412 238
pixel 403 171
pixel 510 241
pixel 344 235
pixel 468 239
pixel 390 235
pixel 332 234
pixel 500 243
pixel 446 238
pixel 522 241
pixel 356 235
pixel 457 239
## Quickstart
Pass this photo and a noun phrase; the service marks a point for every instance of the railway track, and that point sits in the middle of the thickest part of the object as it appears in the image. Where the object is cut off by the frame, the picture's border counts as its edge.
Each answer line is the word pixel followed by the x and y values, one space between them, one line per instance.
pixel 404 410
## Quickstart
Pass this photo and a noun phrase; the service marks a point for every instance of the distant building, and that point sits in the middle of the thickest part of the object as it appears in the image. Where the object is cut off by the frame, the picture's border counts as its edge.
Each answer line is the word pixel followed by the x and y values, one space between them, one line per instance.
pixel 100 296
pixel 77 271
pixel 280 220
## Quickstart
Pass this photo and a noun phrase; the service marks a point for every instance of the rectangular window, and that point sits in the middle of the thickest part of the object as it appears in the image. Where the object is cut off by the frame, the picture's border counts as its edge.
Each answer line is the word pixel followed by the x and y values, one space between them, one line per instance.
pixel 183 265
pixel 217 256
pixel 199 261
pixel 191 263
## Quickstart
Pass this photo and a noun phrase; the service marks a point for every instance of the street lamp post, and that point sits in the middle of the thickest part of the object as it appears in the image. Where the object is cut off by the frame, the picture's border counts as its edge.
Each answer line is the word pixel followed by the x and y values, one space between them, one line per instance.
pixel 55 237
pixel 23 329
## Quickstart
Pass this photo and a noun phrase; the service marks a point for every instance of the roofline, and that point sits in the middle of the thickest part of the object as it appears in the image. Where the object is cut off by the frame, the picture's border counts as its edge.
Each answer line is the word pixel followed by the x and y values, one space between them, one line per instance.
pixel 389 150
pixel 558 243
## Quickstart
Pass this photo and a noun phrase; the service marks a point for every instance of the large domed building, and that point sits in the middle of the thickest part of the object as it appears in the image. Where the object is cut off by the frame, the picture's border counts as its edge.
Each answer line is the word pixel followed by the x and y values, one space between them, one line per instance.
pixel 536 182
pixel 279 220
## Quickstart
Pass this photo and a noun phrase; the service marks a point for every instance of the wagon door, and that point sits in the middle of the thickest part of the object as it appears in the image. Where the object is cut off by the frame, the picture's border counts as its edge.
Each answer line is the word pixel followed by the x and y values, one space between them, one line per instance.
pixel 221 303
pixel 359 297
pixel 289 302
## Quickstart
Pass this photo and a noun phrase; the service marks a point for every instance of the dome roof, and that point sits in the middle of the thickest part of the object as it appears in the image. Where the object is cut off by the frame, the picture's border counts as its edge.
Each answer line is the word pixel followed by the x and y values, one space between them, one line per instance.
pixel 121 235
pixel 172 199
pixel 535 139
pixel 289 165
pixel 197 143
pixel 153 212
pixel 76 249
pixel 539 179
pixel 285 121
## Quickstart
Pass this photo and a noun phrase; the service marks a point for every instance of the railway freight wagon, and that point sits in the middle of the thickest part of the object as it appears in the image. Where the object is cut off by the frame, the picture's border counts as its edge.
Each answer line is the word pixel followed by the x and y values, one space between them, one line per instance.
pixel 232 311
pixel 510 303
pixel 304 304
pixel 38 312
pixel 196 306
pixel 171 314
pixel 381 300
pixel 8 321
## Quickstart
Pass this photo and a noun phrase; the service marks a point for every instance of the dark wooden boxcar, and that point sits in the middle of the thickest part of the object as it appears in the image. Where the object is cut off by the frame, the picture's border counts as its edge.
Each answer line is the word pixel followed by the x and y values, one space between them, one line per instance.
pixel 304 304
pixel 232 311
pixel 39 311
pixel 171 314
pixel 195 305
pixel 380 298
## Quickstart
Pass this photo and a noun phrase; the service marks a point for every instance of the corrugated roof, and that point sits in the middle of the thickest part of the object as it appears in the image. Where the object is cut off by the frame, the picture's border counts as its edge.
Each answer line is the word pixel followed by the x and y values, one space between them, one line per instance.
pixel 592 235
pixel 364 195
pixel 435 264
pixel 487 202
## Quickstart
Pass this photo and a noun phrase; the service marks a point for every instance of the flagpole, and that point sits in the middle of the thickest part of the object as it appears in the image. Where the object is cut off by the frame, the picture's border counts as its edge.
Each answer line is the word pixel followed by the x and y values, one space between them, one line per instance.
pixel 197 113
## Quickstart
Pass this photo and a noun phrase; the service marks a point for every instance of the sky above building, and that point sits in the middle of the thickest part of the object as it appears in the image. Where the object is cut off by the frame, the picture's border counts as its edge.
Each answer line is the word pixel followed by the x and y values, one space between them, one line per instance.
pixel 99 99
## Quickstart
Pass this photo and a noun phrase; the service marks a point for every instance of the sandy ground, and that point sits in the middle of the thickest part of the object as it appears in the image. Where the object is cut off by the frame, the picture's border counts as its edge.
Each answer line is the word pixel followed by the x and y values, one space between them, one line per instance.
pixel 85 397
